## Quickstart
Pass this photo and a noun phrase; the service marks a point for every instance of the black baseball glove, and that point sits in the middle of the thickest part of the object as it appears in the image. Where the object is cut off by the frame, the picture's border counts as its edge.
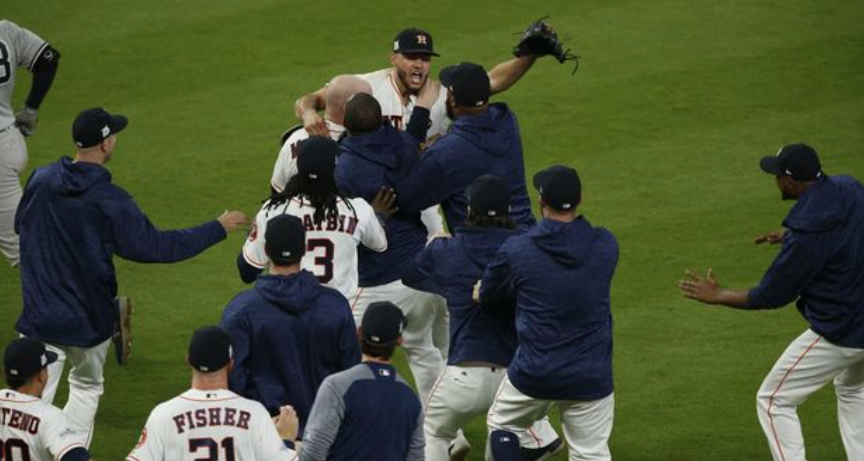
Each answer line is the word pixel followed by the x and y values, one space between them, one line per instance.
pixel 540 39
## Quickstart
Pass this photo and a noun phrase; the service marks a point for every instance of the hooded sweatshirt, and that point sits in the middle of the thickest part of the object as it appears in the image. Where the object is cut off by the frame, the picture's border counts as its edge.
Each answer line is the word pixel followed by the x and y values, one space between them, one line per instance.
pixel 72 221
pixel 561 275
pixel 474 146
pixel 368 162
pixel 822 262
pixel 450 267
pixel 288 334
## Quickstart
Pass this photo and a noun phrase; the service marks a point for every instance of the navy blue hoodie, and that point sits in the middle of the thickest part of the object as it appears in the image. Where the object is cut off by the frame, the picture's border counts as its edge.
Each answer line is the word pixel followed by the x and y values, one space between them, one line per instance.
pixel 288 334
pixel 72 221
pixel 474 146
pixel 368 162
pixel 561 275
pixel 450 267
pixel 822 262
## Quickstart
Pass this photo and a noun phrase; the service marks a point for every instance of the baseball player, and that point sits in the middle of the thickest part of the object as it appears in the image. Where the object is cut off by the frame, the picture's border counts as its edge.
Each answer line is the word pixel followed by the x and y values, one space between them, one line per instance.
pixel 18 47
pixel 335 225
pixel 210 422
pixel 821 265
pixel 482 341
pixel 30 428
pixel 560 274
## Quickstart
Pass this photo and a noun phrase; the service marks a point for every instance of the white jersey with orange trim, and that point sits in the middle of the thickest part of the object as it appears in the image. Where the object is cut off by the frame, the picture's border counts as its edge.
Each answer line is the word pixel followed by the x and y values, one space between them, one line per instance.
pixel 286 162
pixel 210 425
pixel 331 245
pixel 32 429
pixel 397 112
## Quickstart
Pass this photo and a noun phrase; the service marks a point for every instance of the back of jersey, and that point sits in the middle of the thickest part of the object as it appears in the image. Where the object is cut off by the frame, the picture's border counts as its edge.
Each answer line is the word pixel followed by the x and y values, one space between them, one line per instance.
pixel 32 430
pixel 18 47
pixel 214 425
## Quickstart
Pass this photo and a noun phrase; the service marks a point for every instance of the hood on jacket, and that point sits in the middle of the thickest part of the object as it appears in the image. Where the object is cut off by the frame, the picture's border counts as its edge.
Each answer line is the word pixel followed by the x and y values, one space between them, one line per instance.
pixel 569 243
pixel 292 293
pixel 826 205
pixel 493 131
pixel 377 147
pixel 74 178
pixel 481 244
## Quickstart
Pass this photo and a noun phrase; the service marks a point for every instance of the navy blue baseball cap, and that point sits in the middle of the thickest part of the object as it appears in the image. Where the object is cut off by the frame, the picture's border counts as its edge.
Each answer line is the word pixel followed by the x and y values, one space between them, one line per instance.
pixel 382 323
pixel 560 187
pixel 316 157
pixel 414 41
pixel 92 126
pixel 468 82
pixel 489 195
pixel 798 161
pixel 24 357
pixel 285 240
pixel 210 349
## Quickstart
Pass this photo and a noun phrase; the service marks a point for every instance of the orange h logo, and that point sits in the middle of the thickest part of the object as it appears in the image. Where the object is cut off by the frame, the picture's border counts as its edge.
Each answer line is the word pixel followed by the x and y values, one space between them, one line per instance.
pixel 421 39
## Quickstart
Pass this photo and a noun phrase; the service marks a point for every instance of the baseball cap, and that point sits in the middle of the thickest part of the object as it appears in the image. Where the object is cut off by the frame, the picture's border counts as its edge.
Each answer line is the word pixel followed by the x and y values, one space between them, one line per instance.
pixel 24 357
pixel 489 195
pixel 559 187
pixel 210 349
pixel 285 240
pixel 413 41
pixel 799 161
pixel 382 323
pixel 92 126
pixel 316 157
pixel 468 82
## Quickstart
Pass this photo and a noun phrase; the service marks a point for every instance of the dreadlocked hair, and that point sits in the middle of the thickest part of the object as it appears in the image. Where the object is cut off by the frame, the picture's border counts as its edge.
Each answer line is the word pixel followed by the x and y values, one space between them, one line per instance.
pixel 475 220
pixel 321 194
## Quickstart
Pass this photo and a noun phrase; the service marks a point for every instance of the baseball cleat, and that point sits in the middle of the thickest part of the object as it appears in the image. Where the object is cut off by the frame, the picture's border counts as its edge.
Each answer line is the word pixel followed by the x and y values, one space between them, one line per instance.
pixel 459 448
pixel 123 332
pixel 539 454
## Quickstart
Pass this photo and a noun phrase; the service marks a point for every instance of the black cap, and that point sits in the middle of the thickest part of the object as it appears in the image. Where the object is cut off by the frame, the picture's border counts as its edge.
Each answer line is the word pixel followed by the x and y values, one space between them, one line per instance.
pixel 798 161
pixel 24 357
pixel 468 82
pixel 316 157
pixel 92 126
pixel 413 41
pixel 559 187
pixel 382 323
pixel 489 195
pixel 210 349
pixel 285 240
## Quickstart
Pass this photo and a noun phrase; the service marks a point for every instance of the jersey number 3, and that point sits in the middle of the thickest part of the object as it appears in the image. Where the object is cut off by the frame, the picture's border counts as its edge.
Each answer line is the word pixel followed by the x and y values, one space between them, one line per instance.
pixel 326 260
pixel 11 446
pixel 212 449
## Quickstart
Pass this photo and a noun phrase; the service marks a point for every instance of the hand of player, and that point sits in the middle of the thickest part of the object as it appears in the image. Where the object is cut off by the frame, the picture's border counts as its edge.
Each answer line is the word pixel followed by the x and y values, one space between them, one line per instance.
pixel 476 294
pixel 287 423
pixel 428 93
pixel 25 120
pixel 314 124
pixel 232 220
pixel 704 289
pixel 384 202
pixel 771 238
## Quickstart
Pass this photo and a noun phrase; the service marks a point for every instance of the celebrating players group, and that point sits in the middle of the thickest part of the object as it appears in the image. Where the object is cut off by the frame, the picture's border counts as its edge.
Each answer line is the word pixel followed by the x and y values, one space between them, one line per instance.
pixel 499 315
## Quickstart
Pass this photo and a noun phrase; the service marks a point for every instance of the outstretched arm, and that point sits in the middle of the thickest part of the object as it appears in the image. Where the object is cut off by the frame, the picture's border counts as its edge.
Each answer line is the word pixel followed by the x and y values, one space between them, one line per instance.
pixel 507 73
pixel 707 290
pixel 306 109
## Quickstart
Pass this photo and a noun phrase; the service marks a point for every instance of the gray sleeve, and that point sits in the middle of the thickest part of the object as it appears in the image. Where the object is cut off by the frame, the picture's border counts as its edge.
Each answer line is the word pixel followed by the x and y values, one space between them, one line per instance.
pixel 416 450
pixel 26 43
pixel 324 422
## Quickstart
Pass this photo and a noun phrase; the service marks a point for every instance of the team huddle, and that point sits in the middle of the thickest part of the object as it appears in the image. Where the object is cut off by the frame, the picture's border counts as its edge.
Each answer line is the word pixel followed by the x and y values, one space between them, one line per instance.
pixel 398 215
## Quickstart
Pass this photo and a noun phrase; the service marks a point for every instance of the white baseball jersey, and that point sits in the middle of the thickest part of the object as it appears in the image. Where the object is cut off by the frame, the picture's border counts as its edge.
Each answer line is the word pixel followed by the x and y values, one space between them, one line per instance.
pixel 392 108
pixel 331 246
pixel 286 162
pixel 218 425
pixel 31 429
pixel 18 47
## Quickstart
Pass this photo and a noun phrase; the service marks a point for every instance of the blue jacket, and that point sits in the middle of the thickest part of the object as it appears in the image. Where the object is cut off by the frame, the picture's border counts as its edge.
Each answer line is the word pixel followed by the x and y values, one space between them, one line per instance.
pixel 367 163
pixel 822 262
pixel 72 221
pixel 450 268
pixel 474 146
pixel 288 334
pixel 561 275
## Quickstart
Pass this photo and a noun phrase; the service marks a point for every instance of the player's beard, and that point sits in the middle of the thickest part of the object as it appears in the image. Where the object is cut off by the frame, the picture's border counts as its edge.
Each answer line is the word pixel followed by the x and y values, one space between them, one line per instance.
pixel 405 78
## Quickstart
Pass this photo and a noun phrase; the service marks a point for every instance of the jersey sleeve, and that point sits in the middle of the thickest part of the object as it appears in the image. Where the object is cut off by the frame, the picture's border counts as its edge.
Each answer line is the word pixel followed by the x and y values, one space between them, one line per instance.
pixel 323 424
pixel 253 247
pixel 372 234
pixel 268 443
pixel 150 446
pixel 286 162
pixel 58 434
pixel 27 44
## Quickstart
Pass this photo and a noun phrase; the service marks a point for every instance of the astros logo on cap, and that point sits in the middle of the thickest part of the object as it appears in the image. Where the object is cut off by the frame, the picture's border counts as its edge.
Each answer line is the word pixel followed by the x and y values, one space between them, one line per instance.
pixel 421 39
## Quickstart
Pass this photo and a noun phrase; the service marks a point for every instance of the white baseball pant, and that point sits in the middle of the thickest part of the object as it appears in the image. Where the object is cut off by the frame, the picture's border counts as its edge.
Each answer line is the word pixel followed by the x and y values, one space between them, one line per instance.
pixel 425 339
pixel 809 363
pixel 85 383
pixel 13 161
pixel 587 425
pixel 461 394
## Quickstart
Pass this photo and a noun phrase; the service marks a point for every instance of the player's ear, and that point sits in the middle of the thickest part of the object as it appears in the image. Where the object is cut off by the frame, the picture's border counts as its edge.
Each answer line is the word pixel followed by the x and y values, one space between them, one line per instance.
pixel 187 361
pixel 399 340
pixel 392 59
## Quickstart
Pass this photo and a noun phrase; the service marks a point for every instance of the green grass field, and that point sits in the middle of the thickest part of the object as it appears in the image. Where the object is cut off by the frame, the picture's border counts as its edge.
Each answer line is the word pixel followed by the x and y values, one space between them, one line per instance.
pixel 666 119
